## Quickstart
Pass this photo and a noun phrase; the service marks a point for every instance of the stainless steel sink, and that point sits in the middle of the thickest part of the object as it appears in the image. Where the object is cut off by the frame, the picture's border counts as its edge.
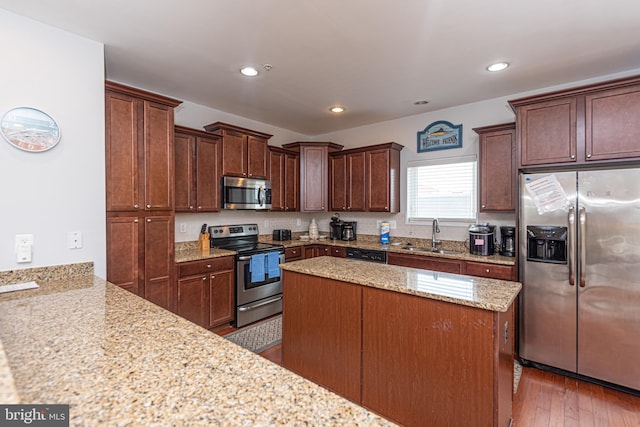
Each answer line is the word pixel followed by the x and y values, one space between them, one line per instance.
pixel 445 252
pixel 435 251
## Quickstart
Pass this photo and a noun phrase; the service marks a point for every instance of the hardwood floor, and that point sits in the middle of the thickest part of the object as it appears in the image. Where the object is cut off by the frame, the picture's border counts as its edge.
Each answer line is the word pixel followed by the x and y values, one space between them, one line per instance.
pixel 548 399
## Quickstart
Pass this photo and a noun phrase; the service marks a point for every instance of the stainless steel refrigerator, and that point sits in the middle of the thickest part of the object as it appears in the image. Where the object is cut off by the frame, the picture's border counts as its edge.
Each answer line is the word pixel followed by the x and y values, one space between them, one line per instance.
pixel 579 265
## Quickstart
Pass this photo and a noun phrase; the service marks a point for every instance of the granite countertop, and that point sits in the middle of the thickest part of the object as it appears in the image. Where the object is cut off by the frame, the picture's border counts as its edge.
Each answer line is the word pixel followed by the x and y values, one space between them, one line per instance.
pixel 488 294
pixel 118 359
pixel 186 251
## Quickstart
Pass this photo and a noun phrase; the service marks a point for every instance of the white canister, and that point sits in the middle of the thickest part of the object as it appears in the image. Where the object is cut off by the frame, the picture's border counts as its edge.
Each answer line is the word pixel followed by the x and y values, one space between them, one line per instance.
pixel 313 230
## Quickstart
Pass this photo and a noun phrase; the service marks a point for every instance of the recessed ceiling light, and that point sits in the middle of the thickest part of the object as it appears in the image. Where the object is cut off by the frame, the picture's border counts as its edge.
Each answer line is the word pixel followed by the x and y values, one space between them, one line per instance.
pixel 498 66
pixel 423 102
pixel 337 109
pixel 249 71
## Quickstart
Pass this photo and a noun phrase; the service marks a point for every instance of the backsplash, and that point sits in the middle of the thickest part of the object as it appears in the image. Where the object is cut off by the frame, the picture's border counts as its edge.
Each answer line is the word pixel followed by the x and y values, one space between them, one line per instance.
pixel 299 222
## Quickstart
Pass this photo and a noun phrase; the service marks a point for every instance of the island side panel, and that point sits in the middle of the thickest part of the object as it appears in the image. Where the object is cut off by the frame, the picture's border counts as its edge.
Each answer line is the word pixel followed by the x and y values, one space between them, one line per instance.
pixel 505 344
pixel 427 362
pixel 321 332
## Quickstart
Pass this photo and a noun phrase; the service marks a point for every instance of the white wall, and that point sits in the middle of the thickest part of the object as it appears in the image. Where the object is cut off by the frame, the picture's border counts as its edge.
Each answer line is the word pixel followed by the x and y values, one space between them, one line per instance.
pixel 51 193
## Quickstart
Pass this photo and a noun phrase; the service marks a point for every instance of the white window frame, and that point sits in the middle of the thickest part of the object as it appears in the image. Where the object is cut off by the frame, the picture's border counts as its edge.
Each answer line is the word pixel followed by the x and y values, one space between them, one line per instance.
pixel 416 220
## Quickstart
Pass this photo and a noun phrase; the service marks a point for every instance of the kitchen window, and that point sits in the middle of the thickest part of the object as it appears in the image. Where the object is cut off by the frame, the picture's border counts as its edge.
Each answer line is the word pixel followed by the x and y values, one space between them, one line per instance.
pixel 442 188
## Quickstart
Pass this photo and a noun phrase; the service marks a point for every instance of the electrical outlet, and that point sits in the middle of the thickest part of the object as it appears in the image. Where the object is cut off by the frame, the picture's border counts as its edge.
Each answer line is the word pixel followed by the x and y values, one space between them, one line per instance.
pixel 392 224
pixel 183 227
pixel 378 222
pixel 298 221
pixel 74 240
pixel 24 246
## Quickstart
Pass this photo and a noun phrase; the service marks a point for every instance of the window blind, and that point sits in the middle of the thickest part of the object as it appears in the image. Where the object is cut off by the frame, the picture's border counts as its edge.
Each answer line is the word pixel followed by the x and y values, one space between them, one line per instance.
pixel 445 189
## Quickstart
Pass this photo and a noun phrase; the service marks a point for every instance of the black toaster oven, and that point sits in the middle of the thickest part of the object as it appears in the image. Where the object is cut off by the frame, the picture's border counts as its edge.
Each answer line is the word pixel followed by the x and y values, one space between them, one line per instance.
pixel 281 235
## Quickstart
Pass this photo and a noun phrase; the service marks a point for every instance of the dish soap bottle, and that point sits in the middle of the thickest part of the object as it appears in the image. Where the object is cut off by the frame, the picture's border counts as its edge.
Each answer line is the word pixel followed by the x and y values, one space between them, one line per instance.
pixel 313 230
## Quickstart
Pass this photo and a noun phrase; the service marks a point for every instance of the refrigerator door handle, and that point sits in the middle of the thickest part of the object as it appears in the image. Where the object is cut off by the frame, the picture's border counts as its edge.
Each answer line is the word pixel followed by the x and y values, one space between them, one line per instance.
pixel 583 244
pixel 572 220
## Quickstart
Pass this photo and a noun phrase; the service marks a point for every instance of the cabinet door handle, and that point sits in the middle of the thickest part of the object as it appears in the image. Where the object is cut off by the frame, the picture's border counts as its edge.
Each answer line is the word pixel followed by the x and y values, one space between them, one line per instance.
pixel 213 277
pixel 208 265
pixel 136 206
pixel 148 206
pixel 148 219
pixel 573 156
pixel 487 271
pixel 588 156
pixel 484 206
pixel 204 278
pixel 190 207
pixel 135 221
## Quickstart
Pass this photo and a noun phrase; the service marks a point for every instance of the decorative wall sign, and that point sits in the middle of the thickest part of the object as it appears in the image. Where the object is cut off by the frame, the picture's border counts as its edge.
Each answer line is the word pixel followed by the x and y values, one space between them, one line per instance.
pixel 440 135
pixel 29 129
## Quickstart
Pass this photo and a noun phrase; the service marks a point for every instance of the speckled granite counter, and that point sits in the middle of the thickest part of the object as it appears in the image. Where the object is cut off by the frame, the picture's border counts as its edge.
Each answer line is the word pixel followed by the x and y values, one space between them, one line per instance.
pixel 120 360
pixel 463 252
pixel 186 251
pixel 489 294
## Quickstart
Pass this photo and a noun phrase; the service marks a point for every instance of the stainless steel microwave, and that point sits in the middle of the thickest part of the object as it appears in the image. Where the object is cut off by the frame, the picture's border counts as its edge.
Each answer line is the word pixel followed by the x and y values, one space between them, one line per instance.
pixel 245 193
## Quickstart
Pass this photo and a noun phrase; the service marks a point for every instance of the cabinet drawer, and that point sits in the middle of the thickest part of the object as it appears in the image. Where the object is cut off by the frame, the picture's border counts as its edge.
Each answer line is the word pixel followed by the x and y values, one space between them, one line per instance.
pixel 293 254
pixel 492 271
pixel 205 266
pixel 338 251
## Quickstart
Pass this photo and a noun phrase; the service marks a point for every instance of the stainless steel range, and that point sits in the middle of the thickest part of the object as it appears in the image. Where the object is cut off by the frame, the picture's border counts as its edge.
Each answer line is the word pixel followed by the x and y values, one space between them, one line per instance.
pixel 258 282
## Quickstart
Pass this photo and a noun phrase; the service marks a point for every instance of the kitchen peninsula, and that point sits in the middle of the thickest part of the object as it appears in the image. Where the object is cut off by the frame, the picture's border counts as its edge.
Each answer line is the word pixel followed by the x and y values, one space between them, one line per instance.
pixel 416 346
pixel 118 359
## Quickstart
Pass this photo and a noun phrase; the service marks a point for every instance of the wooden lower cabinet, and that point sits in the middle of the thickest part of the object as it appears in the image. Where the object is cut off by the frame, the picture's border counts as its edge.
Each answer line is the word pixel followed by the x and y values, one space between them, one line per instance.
pixel 312 251
pixel 491 271
pixel 321 342
pixel 294 254
pixel 206 291
pixel 140 253
pixel 414 360
pixel 425 262
pixel 338 251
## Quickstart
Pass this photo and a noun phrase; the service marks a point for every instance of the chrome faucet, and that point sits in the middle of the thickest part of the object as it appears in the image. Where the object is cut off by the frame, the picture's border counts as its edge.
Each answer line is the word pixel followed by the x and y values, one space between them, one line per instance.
pixel 435 228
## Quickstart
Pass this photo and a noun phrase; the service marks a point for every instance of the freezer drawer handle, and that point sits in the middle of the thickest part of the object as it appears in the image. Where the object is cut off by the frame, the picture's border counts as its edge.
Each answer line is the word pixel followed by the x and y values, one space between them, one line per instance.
pixel 571 232
pixel 583 245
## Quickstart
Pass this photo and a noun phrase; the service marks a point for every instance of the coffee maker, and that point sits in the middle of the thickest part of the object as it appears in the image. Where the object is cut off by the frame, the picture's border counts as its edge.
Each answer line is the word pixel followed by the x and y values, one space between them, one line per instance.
pixel 335 227
pixel 349 230
pixel 508 241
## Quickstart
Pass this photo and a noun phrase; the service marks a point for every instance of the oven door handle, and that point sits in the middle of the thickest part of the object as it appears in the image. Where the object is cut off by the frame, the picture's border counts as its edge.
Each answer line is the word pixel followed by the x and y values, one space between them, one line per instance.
pixel 269 301
pixel 244 258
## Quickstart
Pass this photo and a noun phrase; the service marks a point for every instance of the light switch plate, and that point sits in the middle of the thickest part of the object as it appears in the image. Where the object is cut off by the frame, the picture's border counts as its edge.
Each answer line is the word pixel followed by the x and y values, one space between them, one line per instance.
pixel 74 240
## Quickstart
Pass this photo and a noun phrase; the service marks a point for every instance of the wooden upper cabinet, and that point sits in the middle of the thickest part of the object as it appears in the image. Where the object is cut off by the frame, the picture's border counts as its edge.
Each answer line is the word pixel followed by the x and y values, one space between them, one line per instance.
pixel 584 125
pixel 283 174
pixel 244 151
pixel 547 132
pixel 383 178
pixel 291 181
pixel 347 181
pixel 197 170
pixel 314 173
pixel 498 170
pixel 185 184
pixel 139 150
pixel 612 125
pixel 276 176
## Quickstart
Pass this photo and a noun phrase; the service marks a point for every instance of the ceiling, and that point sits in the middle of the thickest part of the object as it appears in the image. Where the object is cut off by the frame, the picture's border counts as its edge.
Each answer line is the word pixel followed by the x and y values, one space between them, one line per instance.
pixel 374 57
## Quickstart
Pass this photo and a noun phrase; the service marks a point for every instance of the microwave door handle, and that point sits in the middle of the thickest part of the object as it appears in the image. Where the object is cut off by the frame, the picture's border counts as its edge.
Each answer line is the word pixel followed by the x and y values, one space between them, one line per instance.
pixel 571 231
pixel 583 245
pixel 260 197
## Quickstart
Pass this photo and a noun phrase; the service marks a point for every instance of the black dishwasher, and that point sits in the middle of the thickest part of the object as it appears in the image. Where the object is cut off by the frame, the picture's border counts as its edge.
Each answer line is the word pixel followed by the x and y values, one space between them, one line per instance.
pixel 372 255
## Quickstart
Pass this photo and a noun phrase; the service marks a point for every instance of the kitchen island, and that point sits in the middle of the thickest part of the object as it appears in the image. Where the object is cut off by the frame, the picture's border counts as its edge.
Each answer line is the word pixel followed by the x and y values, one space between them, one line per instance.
pixel 417 346
pixel 118 359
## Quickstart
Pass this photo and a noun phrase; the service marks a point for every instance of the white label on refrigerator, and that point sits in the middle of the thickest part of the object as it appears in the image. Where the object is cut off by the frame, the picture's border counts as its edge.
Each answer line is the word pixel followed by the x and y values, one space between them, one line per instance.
pixel 547 194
